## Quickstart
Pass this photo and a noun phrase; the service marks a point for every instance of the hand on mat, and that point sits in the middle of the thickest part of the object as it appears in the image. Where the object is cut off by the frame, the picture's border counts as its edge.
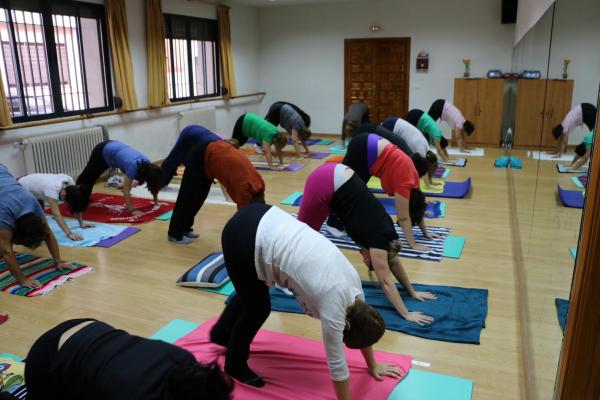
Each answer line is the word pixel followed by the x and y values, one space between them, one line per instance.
pixel 86 225
pixel 421 247
pixel 419 318
pixel 135 183
pixel 422 296
pixel 31 283
pixel 65 265
pixel 75 236
pixel 432 236
pixel 435 183
pixel 380 370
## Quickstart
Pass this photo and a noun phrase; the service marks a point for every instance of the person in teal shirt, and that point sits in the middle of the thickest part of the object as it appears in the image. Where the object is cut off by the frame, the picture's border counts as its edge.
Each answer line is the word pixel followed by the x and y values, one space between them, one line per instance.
pixel 266 134
pixel 583 151
pixel 432 132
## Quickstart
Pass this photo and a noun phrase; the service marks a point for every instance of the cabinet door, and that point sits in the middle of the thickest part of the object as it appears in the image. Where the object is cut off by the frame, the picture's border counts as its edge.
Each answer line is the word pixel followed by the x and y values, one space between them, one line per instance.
pixel 530 113
pixel 488 124
pixel 465 97
pixel 558 104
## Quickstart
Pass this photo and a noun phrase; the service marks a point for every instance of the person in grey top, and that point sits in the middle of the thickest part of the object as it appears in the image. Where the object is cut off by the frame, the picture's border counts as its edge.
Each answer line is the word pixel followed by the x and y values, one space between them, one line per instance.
pixel 287 116
pixel 357 114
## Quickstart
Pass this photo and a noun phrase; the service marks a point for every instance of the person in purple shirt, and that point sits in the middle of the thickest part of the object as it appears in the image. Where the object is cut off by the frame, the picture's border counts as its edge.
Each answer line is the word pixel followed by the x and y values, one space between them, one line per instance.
pixel 136 166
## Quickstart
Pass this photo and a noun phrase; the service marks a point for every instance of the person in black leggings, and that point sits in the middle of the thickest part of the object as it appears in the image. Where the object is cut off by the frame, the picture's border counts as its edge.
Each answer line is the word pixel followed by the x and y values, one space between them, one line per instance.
pixel 99 362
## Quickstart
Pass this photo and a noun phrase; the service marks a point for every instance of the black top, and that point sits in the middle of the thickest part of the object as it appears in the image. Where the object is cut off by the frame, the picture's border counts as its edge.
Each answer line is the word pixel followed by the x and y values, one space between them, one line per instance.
pixel 356 156
pixel 589 115
pixel 413 116
pixel 386 134
pixel 274 111
pixel 363 216
pixel 100 362
pixel 436 109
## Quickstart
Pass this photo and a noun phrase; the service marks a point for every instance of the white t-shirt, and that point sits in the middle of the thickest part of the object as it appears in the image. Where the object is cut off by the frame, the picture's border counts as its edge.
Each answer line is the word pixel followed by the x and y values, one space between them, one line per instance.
pixel 412 136
pixel 293 255
pixel 44 186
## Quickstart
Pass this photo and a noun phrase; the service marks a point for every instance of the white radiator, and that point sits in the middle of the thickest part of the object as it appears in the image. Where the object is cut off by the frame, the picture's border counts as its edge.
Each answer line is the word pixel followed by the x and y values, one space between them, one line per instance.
pixel 202 116
pixel 65 153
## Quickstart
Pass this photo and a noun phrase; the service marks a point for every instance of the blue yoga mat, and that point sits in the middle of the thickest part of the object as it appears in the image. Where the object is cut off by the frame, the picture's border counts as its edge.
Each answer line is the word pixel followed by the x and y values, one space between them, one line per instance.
pixel 571 198
pixel 435 209
pixel 563 169
pixel 452 190
pixel 91 236
pixel 310 142
pixel 459 313
pixel 562 308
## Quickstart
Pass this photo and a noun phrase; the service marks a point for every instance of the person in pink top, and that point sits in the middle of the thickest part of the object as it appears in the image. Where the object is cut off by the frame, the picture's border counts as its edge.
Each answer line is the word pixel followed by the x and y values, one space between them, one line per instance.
pixel 581 114
pixel 450 114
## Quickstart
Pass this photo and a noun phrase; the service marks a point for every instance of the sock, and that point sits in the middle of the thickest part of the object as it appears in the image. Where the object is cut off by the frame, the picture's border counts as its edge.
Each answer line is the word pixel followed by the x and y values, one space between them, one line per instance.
pixel 245 375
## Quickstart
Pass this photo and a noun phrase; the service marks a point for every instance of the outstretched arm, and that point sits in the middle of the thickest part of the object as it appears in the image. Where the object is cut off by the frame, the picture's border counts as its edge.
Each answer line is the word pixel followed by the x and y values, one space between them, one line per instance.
pixel 127 184
pixel 61 221
pixel 377 370
pixel 400 274
pixel 6 251
pixel 582 160
pixel 406 224
pixel 295 142
pixel 441 152
pixel 52 245
pixel 269 156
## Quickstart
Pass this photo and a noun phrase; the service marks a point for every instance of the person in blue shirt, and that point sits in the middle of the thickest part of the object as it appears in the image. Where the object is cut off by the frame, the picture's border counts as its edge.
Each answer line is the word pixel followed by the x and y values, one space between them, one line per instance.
pixel 136 166
pixel 22 222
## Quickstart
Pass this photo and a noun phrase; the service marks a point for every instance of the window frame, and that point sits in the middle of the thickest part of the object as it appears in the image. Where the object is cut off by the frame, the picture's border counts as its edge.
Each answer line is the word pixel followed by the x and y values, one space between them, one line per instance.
pixel 44 8
pixel 171 80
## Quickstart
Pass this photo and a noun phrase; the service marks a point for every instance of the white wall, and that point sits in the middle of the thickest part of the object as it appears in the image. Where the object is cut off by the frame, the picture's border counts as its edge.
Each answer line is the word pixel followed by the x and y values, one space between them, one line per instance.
pixel 302 49
pixel 154 132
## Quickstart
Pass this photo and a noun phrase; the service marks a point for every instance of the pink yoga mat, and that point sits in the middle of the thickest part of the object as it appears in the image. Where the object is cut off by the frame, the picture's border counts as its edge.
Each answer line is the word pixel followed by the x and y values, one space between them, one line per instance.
pixel 294 367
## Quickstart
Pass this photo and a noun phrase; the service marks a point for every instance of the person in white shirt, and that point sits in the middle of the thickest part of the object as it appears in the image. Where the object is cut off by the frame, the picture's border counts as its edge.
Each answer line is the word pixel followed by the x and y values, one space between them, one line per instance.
pixel 264 246
pixel 54 188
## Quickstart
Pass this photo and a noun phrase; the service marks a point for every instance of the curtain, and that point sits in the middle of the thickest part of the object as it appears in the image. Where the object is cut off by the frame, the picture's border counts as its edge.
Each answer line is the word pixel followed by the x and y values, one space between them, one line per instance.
pixel 225 53
pixel 121 57
pixel 5 116
pixel 158 94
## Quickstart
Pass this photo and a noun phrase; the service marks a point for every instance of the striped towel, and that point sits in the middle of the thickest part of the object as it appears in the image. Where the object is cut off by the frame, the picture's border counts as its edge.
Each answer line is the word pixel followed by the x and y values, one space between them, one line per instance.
pixel 208 273
pixel 41 269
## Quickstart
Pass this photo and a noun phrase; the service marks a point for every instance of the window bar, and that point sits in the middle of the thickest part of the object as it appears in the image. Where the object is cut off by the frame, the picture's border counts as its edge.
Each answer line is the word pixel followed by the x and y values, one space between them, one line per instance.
pixel 204 70
pixel 17 64
pixel 36 30
pixel 59 55
pixel 181 69
pixel 66 86
pixel 172 57
pixel 190 72
pixel 86 98
pixel 26 43
pixel 101 51
pixel 73 91
pixel 52 62
pixel 76 68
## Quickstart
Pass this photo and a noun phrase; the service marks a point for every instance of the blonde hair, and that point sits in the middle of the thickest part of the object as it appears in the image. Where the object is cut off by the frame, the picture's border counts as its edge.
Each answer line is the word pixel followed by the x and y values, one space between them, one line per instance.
pixel 395 248
pixel 280 140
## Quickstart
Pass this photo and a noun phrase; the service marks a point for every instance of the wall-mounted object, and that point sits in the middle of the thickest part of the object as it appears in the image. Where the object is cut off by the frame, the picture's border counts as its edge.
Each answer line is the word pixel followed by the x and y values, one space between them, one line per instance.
pixel 423 61
pixel 375 28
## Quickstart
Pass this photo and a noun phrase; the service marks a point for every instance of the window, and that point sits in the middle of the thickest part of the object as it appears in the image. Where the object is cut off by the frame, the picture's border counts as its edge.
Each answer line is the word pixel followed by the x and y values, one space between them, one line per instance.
pixel 54 59
pixel 192 57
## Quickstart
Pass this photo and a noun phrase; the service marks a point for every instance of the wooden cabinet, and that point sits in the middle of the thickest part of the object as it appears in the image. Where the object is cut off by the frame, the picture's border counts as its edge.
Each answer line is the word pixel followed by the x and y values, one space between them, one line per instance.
pixel 541 105
pixel 481 102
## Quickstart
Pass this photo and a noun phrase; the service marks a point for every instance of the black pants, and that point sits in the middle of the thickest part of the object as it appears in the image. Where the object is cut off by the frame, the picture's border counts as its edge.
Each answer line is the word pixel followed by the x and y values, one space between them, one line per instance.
pixel 238 131
pixel 41 383
pixel 94 168
pixel 250 307
pixel 273 115
pixel 194 189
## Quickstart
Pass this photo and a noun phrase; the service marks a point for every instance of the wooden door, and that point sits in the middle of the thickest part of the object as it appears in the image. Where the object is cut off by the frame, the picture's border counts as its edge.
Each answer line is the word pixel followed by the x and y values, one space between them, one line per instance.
pixel 377 74
pixel 488 125
pixel 529 120
pixel 558 103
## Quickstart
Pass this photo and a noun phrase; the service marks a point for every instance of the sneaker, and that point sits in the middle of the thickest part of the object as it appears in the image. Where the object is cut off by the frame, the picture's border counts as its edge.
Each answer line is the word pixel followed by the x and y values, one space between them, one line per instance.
pixel 184 240
pixel 191 234
pixel 258 149
pixel 334 231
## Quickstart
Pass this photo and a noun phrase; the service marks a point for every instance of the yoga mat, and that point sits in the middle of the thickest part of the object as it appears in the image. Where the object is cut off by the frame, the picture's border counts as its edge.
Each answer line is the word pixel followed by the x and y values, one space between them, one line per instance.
pixel 441 172
pixel 12 376
pixel 459 313
pixel 224 290
pixel 294 367
pixel 437 189
pixel 174 330
pixel 563 170
pixel 168 193
pixel 544 156
pixel 460 162
pixel 425 385
pixel 165 217
pixel 41 269
pixel 318 156
pixel 91 236
pixel 573 251
pixel 110 242
pixel 578 182
pixel 337 149
pixel 435 209
pixel 453 246
pixel 292 199
pixel 111 209
pixel 476 152
pixel 326 142
pixel 562 309
pixel 571 198
pixel 453 190
pixel 263 166
pixel 3 318
pixel 310 142
pixel 11 356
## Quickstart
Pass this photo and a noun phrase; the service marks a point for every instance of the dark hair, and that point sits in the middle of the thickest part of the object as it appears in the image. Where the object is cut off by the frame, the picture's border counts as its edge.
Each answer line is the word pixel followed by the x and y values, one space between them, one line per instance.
pixel 432 160
pixel 197 381
pixel 366 326
pixel 234 142
pixel 421 164
pixel 468 127
pixel 30 231
pixel 304 134
pixel 416 206
pixel 150 174
pixel 557 131
pixel 581 149
pixel 350 129
pixel 76 198
pixel 443 142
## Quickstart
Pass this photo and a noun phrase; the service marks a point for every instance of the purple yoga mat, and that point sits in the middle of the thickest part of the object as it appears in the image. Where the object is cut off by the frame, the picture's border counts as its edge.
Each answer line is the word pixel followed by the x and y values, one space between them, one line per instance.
pixel 571 198
pixel 455 190
pixel 318 156
pixel 110 242
pixel 439 172
pixel 290 168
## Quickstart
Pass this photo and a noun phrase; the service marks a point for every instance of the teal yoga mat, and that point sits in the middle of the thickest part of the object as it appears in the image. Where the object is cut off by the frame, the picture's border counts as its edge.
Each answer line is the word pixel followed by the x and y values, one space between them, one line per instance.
pixel 165 217
pixel 337 149
pixel 11 356
pixel 325 142
pixel 453 246
pixel 174 330
pixel 425 385
pixel 577 182
pixel 291 199
pixel 225 289
pixel 573 251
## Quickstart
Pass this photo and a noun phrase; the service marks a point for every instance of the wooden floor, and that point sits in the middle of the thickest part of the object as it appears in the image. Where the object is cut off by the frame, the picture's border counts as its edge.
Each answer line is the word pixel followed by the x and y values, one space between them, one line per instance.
pixel 134 283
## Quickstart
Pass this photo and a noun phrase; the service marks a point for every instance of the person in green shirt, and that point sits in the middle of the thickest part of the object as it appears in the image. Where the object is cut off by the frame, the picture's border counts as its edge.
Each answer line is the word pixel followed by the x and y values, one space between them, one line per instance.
pixel 432 132
pixel 583 151
pixel 266 134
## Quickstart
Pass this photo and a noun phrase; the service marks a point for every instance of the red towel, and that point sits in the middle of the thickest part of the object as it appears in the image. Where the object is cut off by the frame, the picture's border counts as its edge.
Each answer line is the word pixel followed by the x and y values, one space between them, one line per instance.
pixel 111 209
pixel 294 367
pixel 3 318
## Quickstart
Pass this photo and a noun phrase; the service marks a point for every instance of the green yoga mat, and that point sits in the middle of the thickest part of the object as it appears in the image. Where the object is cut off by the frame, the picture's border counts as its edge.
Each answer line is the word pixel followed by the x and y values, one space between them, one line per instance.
pixel 225 289
pixel 446 173
pixel 573 251
pixel 337 149
pixel 577 182
pixel 425 385
pixel 11 356
pixel 453 246
pixel 165 217
pixel 325 142
pixel 174 330
pixel 289 201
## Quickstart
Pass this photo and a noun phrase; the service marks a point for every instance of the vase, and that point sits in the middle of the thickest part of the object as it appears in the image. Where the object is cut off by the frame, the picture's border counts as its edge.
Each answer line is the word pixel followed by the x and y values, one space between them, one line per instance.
pixel 467 73
pixel 565 75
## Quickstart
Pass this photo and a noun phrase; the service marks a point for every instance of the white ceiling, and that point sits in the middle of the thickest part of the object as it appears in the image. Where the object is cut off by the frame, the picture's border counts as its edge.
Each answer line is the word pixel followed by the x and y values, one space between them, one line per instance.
pixel 269 3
